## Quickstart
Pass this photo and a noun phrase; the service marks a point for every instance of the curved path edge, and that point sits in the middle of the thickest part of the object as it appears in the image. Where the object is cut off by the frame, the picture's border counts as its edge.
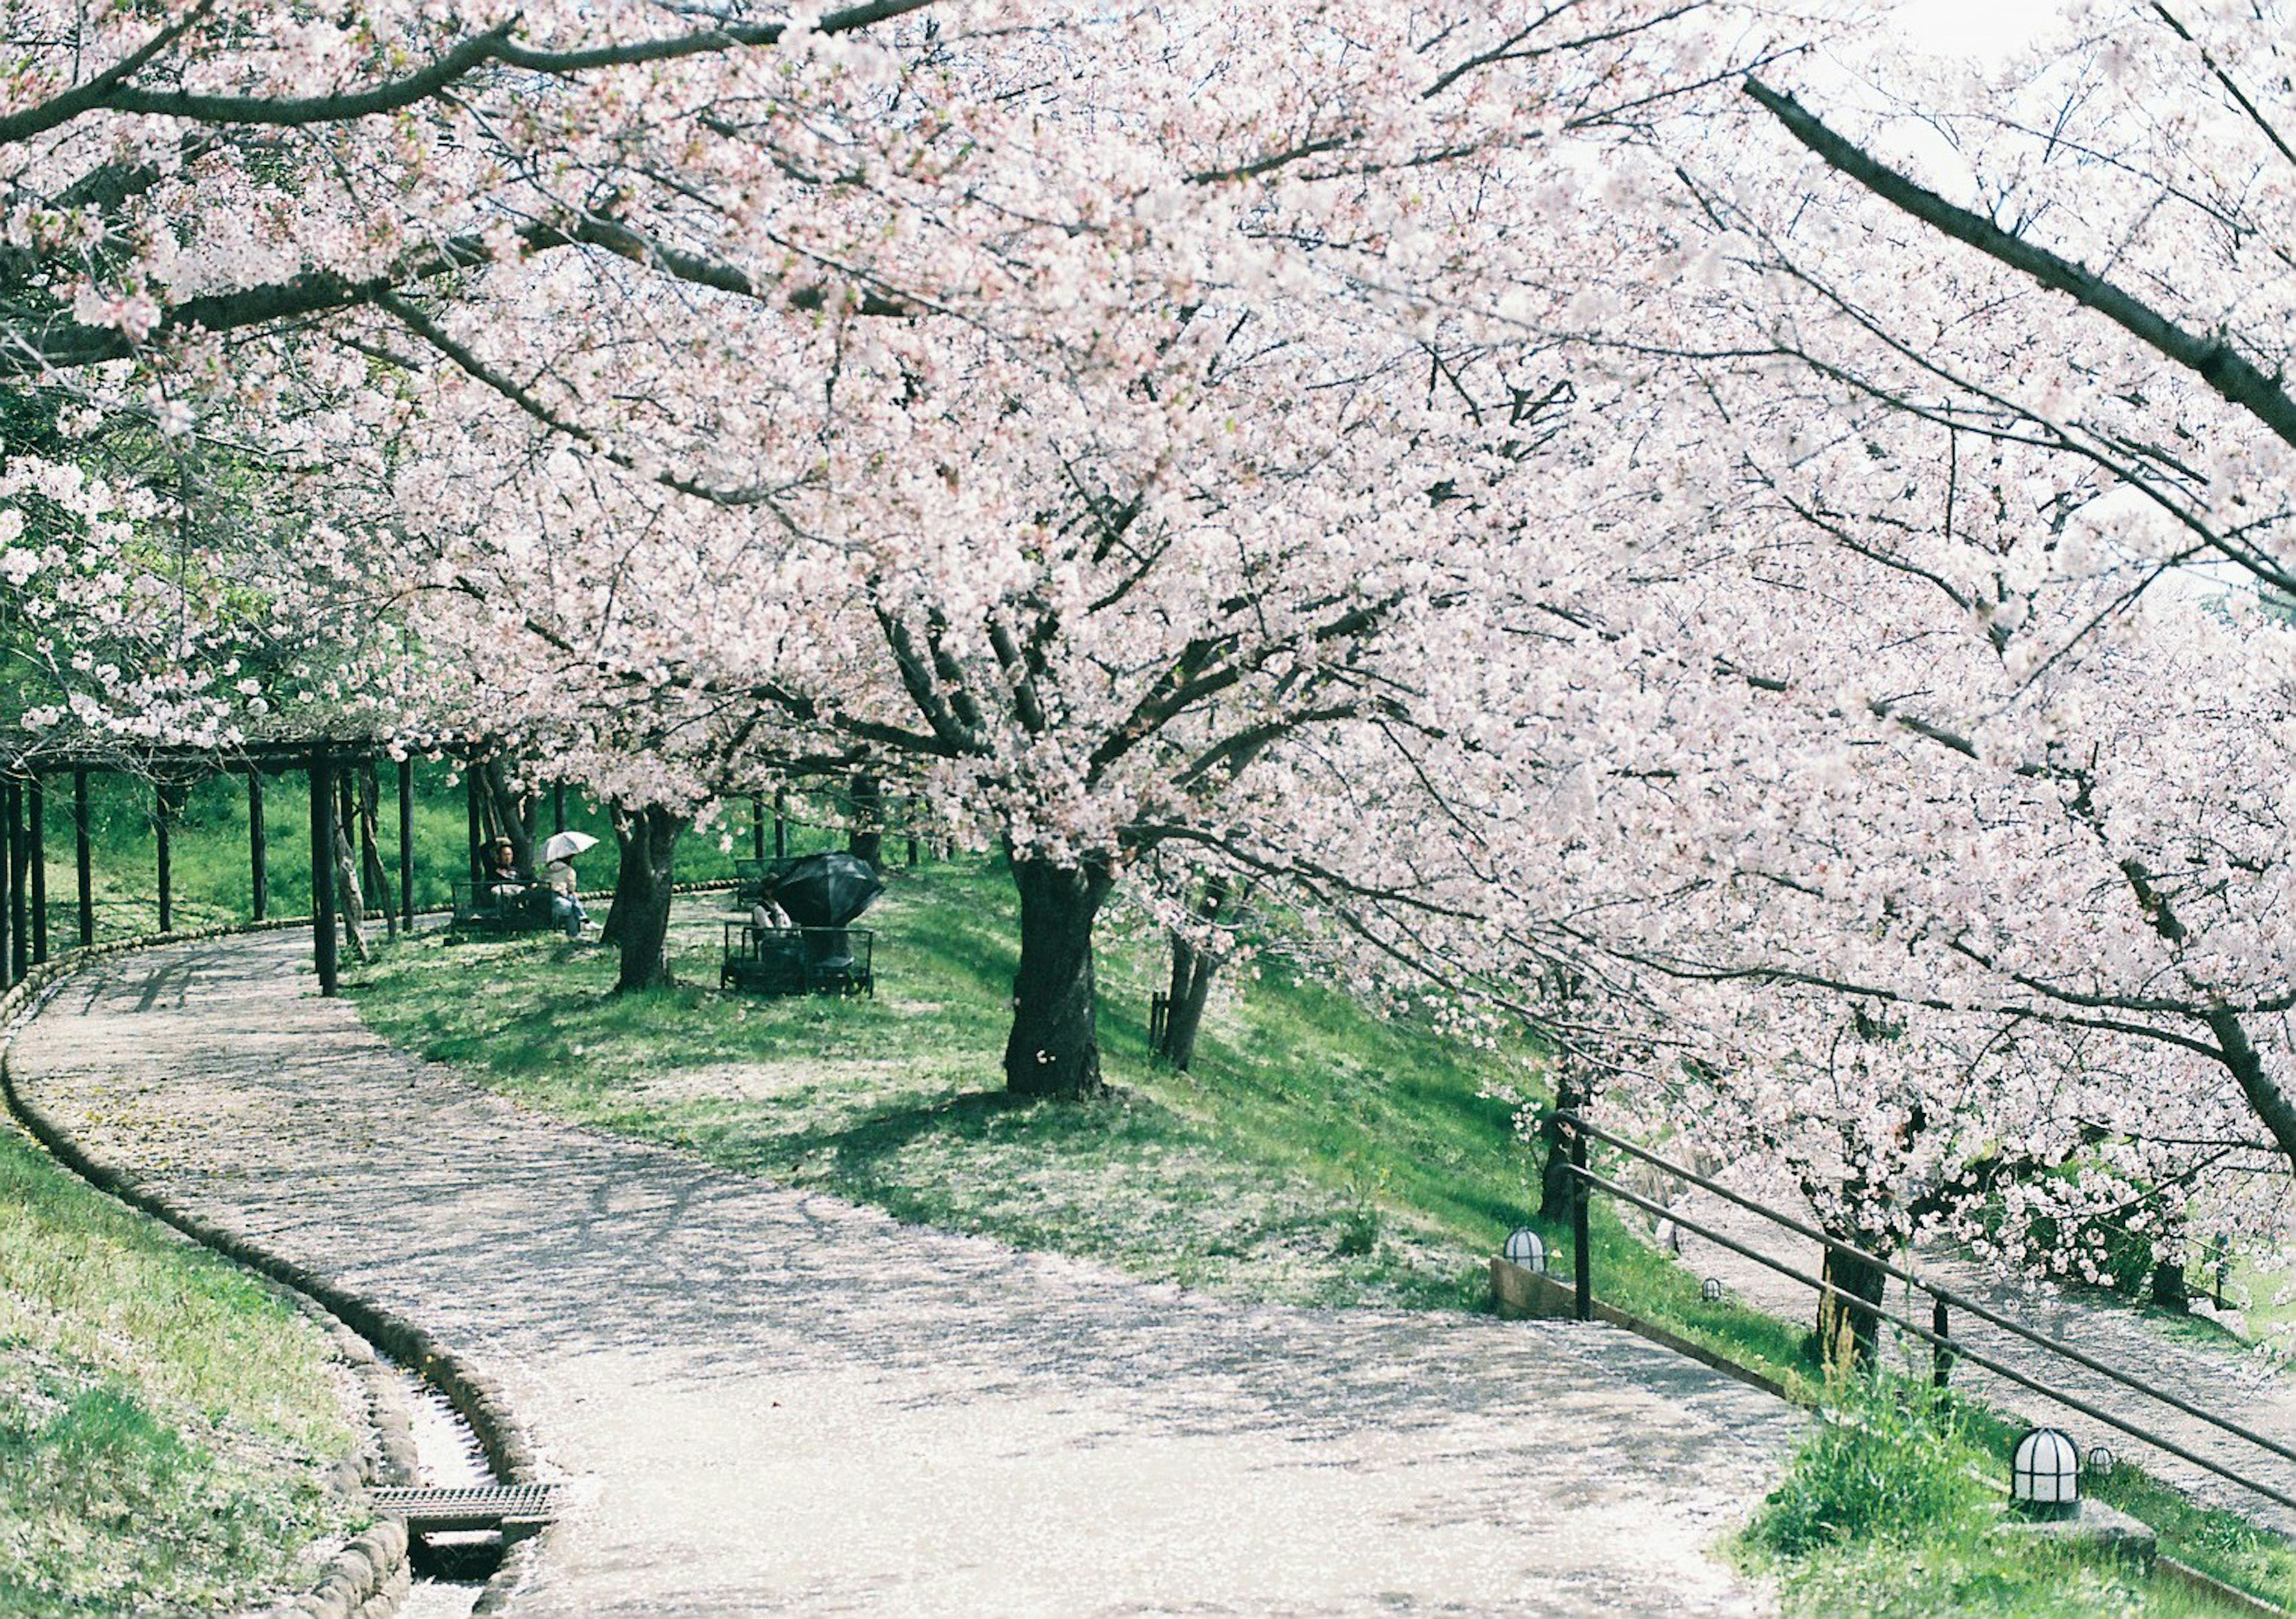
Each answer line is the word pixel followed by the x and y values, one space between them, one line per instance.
pixel 368 1578
pixel 770 1401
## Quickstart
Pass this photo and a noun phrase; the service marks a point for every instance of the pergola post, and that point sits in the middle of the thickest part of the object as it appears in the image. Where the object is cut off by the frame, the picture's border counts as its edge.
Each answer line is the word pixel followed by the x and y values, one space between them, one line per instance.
pixel 406 843
pixel 167 857
pixel 83 858
pixel 323 868
pixel 8 972
pixel 257 864
pixel 18 943
pixel 36 813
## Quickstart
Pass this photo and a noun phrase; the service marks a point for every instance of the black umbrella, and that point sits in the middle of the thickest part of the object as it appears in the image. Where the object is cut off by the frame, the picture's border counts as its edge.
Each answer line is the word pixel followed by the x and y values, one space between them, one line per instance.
pixel 827 890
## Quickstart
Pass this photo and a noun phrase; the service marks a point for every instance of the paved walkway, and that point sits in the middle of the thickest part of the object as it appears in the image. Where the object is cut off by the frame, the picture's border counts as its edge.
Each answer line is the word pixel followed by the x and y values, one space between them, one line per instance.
pixel 2222 1377
pixel 773 1403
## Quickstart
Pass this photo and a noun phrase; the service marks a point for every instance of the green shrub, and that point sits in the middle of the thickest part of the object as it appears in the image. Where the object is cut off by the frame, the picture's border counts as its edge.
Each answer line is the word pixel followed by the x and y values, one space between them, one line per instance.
pixel 1893 1465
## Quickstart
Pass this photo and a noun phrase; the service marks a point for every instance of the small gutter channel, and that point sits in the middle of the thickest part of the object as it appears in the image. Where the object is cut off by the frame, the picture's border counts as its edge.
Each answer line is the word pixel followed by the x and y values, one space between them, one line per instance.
pixel 450 1569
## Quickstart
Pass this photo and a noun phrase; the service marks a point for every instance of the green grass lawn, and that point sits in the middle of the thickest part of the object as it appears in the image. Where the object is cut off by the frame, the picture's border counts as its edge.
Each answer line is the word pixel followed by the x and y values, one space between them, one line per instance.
pixel 167 1424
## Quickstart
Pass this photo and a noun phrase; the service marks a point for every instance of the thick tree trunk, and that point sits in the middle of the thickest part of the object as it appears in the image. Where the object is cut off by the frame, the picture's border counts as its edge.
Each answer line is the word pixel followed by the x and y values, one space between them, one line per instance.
pixel 639 921
pixel 1849 1333
pixel 866 839
pixel 1055 1048
pixel 506 813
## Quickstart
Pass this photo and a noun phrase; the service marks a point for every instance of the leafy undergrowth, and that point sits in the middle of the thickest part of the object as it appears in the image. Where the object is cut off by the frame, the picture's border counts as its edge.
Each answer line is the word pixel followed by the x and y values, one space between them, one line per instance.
pixel 167 1425
pixel 1891 1512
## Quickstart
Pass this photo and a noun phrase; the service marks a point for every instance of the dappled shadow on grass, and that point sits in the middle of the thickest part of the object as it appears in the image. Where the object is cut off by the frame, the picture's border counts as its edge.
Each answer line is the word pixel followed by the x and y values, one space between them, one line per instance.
pixel 1317 1153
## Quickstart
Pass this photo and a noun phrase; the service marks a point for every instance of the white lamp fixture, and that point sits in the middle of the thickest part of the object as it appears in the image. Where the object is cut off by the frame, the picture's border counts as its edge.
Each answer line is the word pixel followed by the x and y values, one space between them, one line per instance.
pixel 1526 1248
pixel 2045 1475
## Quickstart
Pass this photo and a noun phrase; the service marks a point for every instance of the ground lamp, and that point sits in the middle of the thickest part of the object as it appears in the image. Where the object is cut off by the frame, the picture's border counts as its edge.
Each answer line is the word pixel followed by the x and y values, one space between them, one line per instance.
pixel 1526 1248
pixel 2045 1475
pixel 1711 1289
pixel 2101 1461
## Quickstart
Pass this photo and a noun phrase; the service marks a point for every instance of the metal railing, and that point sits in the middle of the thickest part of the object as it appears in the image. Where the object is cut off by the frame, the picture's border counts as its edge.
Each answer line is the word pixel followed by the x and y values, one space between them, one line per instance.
pixel 1577 1132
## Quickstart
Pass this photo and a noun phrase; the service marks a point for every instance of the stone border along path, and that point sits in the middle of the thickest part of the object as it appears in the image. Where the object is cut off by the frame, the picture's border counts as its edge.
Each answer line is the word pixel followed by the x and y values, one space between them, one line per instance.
pixel 2237 1384
pixel 769 1402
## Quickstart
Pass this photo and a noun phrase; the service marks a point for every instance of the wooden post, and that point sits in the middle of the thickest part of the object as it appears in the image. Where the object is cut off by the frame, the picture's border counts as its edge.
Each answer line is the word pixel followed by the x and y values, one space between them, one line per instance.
pixel 323 868
pixel 83 858
pixel 558 806
pixel 8 973
pixel 1583 1283
pixel 781 825
pixel 1941 1354
pixel 258 872
pixel 406 843
pixel 37 811
pixel 757 825
pixel 167 858
pixel 19 943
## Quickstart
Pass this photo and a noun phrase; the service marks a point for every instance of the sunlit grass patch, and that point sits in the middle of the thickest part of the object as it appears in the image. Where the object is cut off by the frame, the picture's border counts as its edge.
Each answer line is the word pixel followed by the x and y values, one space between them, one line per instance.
pixel 1317 1153
pixel 167 1423
pixel 1894 1511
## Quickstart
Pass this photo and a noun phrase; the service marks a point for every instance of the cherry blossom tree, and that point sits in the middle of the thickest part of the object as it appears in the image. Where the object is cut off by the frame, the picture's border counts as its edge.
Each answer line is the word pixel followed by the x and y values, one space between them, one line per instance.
pixel 1138 435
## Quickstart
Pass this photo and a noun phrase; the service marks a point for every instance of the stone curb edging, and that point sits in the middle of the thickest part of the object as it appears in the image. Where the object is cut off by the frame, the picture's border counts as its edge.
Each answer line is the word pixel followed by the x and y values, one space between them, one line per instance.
pixel 369 1577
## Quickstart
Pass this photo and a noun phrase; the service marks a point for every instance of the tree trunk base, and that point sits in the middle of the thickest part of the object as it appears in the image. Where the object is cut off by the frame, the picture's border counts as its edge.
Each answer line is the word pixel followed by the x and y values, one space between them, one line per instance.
pixel 1054 1047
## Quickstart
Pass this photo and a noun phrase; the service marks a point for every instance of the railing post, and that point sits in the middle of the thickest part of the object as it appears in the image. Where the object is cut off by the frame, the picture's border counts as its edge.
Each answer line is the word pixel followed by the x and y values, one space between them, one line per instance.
pixel 1940 1356
pixel 1583 1267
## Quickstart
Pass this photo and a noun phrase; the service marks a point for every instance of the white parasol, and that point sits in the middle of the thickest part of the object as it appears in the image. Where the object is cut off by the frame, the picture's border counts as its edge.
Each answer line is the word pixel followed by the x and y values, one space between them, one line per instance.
pixel 565 846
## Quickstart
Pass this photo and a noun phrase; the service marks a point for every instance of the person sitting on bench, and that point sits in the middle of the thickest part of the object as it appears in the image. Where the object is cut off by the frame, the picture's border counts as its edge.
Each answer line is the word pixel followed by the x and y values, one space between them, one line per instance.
pixel 501 876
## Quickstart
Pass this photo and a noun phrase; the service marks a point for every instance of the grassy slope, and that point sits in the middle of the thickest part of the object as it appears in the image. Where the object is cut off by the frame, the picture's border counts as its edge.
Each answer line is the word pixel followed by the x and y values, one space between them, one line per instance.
pixel 167 1425
pixel 1318 1153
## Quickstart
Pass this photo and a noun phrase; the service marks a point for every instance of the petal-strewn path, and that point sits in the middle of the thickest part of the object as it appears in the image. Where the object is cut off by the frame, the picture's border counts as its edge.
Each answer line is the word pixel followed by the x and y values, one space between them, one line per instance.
pixel 772 1403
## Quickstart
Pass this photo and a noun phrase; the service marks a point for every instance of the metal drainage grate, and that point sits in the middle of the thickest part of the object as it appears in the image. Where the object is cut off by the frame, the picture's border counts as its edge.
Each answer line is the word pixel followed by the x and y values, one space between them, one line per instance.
pixel 484 1507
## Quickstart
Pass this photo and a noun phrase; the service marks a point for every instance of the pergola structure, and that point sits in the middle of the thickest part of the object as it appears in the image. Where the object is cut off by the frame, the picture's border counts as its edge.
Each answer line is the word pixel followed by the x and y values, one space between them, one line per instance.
pixel 329 763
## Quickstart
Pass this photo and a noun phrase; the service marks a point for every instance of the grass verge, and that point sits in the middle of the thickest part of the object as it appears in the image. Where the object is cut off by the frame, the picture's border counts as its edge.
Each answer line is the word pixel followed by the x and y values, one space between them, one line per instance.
pixel 1891 1512
pixel 167 1424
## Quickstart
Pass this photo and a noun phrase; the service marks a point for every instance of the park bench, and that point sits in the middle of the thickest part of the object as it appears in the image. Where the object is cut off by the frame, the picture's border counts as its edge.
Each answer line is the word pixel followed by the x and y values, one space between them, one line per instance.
pixel 799 961
pixel 484 908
